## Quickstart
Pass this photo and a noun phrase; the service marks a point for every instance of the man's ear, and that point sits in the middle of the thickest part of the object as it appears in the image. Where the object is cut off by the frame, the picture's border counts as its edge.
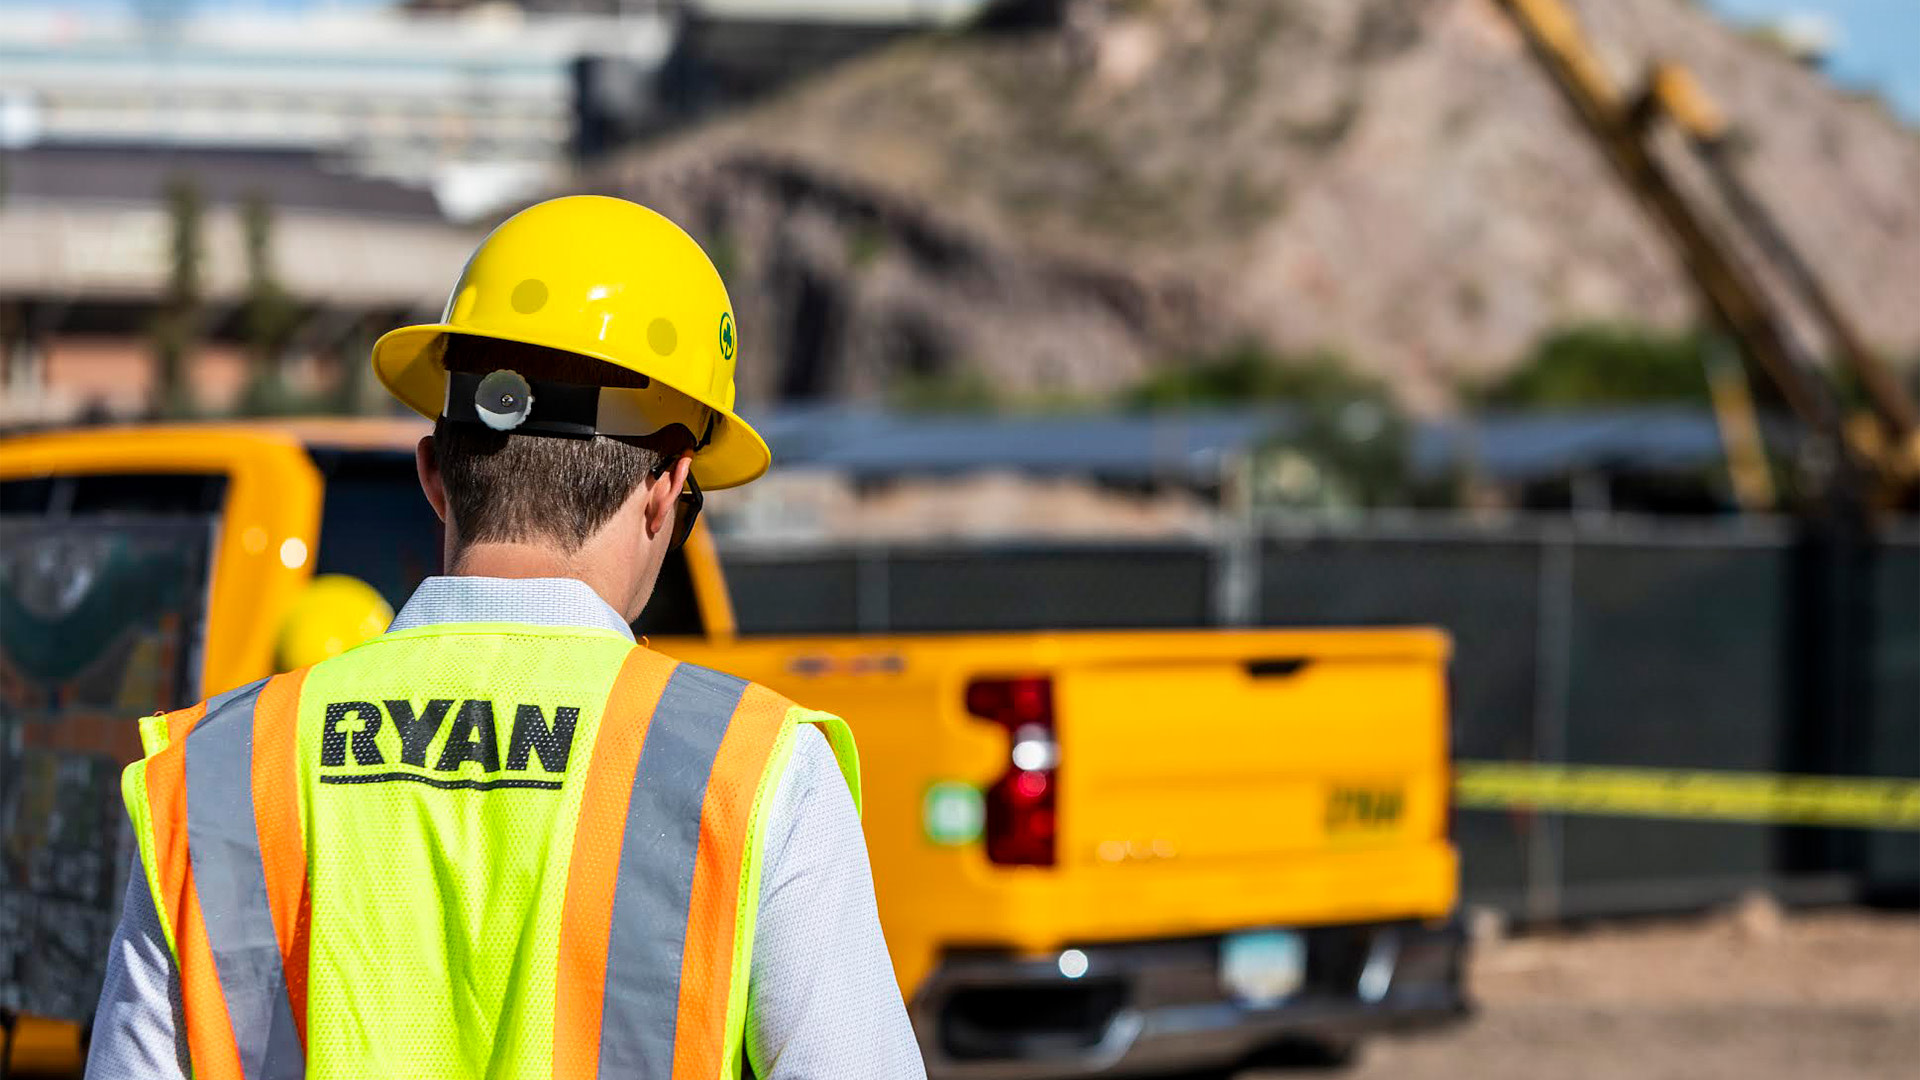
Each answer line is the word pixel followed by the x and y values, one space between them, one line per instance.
pixel 427 464
pixel 665 492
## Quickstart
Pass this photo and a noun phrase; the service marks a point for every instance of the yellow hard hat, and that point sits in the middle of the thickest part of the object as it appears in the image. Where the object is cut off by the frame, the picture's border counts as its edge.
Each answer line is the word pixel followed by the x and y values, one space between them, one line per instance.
pixel 610 280
pixel 333 614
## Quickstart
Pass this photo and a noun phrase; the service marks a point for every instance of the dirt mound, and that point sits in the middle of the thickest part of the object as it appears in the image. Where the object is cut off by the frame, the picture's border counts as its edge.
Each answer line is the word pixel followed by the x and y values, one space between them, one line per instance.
pixel 1395 179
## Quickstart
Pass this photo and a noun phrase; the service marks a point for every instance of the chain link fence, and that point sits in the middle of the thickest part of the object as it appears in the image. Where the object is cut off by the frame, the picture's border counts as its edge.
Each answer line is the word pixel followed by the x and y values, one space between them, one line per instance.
pixel 1613 643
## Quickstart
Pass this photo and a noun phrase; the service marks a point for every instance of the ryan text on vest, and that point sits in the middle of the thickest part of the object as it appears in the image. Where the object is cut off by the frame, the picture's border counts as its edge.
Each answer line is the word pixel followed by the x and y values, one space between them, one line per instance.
pixel 352 730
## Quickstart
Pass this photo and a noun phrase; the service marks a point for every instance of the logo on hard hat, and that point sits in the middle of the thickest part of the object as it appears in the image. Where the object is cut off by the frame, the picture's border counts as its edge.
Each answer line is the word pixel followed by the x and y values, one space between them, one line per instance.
pixel 726 335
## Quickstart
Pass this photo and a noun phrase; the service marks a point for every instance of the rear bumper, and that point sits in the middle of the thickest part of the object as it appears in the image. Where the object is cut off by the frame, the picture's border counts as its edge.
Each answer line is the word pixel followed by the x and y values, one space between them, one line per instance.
pixel 1142 1007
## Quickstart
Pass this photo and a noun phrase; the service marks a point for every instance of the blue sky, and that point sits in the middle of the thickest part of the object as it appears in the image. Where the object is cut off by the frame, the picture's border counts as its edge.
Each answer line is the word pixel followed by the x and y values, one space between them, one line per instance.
pixel 1878 46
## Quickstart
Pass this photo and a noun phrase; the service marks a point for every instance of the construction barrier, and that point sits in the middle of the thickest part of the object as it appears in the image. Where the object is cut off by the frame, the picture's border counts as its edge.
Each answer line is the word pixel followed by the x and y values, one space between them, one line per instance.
pixel 1683 794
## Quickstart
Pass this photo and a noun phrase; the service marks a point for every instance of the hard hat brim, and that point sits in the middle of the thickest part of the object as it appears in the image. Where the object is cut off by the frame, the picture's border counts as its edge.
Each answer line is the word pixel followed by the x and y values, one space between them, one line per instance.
pixel 410 367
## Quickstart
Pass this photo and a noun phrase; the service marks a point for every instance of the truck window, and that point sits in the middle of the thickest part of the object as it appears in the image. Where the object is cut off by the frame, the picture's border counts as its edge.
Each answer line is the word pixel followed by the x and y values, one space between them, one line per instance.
pixel 136 495
pixel 103 590
pixel 374 523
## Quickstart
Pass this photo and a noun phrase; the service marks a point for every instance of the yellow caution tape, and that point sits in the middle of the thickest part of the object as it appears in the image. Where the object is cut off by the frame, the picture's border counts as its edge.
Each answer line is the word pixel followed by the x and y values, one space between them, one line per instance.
pixel 1767 798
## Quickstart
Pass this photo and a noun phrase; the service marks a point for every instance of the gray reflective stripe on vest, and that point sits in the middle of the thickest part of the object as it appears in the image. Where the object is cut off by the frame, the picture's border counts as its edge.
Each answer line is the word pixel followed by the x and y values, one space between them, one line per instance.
pixel 654 888
pixel 223 851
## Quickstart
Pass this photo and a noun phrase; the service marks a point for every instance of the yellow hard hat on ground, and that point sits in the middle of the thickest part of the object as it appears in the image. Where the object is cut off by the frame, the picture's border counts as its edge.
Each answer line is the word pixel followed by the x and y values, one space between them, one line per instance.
pixel 607 279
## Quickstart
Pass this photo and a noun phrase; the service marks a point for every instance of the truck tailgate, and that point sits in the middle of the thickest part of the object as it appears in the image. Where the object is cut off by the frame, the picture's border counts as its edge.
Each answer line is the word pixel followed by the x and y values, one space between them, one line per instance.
pixel 1235 760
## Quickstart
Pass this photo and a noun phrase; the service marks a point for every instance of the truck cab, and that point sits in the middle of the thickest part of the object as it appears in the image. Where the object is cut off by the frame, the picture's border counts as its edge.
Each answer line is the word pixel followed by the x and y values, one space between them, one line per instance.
pixel 1094 852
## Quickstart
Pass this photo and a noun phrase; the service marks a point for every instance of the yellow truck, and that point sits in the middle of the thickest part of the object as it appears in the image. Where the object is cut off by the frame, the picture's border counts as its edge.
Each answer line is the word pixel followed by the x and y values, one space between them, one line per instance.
pixel 1095 852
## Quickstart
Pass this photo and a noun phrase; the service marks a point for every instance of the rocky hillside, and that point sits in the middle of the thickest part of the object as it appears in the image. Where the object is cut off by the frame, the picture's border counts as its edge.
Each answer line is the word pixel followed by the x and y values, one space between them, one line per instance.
pixel 1057 211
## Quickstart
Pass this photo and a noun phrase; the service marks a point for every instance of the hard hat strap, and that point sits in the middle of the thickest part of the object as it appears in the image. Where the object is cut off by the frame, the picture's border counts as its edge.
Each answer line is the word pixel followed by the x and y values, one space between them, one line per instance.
pixel 571 410
pixel 552 408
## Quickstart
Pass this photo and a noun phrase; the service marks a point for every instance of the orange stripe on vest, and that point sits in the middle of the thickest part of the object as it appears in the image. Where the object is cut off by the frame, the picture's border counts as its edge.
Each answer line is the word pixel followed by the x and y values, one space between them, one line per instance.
pixel 283 846
pixel 209 1029
pixel 706 972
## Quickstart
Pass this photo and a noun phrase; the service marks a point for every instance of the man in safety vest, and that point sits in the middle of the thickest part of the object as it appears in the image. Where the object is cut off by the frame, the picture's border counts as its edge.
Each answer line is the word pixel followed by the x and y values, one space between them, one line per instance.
pixel 503 839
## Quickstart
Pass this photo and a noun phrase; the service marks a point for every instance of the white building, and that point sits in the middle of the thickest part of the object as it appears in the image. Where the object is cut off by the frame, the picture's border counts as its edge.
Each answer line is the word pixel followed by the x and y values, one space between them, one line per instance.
pixel 477 106
pixel 480 104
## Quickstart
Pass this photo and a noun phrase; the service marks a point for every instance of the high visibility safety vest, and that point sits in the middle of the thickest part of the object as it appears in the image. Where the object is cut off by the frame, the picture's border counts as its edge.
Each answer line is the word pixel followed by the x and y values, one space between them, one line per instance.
pixel 467 850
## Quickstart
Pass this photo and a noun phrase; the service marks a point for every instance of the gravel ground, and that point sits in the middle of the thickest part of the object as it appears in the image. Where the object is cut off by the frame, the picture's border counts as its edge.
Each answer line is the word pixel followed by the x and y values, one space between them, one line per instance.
pixel 1750 995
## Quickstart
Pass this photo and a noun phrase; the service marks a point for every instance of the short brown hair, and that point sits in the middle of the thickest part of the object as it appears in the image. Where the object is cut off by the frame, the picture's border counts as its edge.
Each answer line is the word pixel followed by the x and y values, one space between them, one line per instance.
pixel 508 488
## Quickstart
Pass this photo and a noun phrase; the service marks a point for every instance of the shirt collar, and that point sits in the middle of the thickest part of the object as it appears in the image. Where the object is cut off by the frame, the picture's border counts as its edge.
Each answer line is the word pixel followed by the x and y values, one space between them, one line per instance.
pixel 535 601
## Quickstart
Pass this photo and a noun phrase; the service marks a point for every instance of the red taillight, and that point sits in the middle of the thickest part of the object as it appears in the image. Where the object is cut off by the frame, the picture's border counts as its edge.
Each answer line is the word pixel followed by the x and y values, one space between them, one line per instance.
pixel 1020 805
